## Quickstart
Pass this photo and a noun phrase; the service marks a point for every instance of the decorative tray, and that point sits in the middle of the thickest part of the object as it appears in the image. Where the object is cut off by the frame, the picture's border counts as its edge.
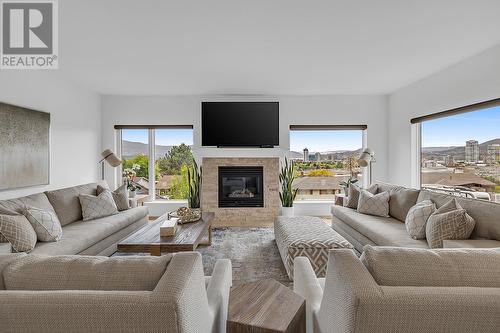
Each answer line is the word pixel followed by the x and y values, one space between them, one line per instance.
pixel 185 215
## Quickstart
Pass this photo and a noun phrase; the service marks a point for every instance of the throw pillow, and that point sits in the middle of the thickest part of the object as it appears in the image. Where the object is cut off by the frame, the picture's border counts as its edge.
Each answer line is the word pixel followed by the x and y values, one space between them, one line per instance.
pixel 450 221
pixel 18 231
pixel 120 195
pixel 374 204
pixel 45 223
pixel 94 207
pixel 417 217
pixel 353 195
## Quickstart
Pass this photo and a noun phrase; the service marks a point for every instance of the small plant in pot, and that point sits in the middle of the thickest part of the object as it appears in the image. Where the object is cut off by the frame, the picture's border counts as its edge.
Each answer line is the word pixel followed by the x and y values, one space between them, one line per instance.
pixel 194 183
pixel 288 192
pixel 128 175
pixel 345 184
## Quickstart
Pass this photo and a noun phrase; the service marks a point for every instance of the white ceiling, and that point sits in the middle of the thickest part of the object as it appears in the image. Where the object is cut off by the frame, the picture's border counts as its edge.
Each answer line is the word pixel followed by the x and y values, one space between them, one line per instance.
pixel 304 47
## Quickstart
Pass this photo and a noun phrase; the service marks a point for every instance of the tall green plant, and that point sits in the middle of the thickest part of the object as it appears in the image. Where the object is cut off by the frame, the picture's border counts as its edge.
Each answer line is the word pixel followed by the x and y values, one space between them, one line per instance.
pixel 194 182
pixel 287 176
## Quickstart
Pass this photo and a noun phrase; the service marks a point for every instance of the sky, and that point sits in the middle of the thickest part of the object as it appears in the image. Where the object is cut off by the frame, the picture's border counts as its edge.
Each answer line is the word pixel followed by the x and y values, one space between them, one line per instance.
pixel 482 125
pixel 163 137
pixel 321 141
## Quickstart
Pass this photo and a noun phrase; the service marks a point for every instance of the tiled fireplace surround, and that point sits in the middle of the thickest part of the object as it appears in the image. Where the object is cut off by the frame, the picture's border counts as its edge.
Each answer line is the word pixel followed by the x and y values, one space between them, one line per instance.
pixel 241 216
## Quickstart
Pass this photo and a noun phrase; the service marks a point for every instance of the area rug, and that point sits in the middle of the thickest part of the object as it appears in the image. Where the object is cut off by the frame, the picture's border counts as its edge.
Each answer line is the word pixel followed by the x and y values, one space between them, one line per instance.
pixel 253 253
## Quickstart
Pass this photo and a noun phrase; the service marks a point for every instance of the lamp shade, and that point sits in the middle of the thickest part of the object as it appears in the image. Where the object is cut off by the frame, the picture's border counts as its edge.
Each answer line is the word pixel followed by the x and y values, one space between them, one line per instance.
pixel 366 157
pixel 111 158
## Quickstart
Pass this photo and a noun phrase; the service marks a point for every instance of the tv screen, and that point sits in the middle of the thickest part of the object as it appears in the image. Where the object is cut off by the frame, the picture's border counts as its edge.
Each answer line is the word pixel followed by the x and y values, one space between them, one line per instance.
pixel 240 124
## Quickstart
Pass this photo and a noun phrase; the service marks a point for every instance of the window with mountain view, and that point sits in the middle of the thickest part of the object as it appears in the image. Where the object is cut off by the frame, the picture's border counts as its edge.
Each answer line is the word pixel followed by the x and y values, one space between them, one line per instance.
pixel 325 159
pixel 460 154
pixel 172 156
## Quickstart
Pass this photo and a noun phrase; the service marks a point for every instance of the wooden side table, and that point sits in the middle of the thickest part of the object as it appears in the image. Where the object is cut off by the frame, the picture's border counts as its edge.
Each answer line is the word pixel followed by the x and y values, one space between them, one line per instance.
pixel 265 306
pixel 339 199
pixel 138 200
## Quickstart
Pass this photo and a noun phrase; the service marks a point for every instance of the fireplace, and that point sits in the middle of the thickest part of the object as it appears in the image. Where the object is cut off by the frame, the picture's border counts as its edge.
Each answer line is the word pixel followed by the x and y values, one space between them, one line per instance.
pixel 241 186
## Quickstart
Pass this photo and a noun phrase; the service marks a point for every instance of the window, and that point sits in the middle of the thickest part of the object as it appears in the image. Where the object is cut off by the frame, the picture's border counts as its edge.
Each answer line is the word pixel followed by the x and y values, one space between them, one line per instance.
pixel 167 149
pixel 325 157
pixel 460 153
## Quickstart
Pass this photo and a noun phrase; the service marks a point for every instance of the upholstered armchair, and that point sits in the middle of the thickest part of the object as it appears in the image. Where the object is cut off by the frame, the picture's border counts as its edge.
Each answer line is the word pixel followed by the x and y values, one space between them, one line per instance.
pixel 402 290
pixel 117 294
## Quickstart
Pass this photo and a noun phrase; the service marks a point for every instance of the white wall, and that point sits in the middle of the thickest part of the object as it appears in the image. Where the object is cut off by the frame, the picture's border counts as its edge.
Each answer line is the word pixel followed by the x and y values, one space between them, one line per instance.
pixel 75 125
pixel 473 80
pixel 186 110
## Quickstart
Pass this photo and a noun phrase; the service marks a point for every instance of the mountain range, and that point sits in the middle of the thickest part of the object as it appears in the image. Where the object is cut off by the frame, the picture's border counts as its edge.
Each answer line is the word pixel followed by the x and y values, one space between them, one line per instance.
pixel 457 152
pixel 130 149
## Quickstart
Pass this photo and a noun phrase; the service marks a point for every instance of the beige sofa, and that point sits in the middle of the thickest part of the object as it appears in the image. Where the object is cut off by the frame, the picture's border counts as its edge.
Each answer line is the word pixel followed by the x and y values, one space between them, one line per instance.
pixel 402 290
pixel 361 229
pixel 119 294
pixel 95 237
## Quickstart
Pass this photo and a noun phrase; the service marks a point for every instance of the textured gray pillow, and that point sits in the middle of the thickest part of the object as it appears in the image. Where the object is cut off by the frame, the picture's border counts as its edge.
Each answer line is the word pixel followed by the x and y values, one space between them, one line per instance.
pixel 374 204
pixel 353 195
pixel 120 195
pixel 450 221
pixel 18 231
pixel 45 223
pixel 417 217
pixel 400 202
pixel 94 207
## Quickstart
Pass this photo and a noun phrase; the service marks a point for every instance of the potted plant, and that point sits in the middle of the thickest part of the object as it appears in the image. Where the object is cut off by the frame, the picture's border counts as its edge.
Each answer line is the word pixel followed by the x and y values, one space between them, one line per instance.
pixel 128 175
pixel 287 193
pixel 194 184
pixel 345 184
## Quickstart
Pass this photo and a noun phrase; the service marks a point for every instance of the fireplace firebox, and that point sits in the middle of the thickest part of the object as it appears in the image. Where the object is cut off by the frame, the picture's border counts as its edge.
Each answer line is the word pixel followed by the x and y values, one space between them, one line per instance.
pixel 241 186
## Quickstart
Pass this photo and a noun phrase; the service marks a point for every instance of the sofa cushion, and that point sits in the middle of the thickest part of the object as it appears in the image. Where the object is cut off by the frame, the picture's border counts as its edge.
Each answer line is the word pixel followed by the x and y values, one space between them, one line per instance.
pixel 401 200
pixel 18 231
pixel 94 207
pixel 485 213
pixel 353 195
pixel 66 203
pixel 45 223
pixel 373 204
pixel 40 272
pixel 380 230
pixel 17 206
pixel 391 266
pixel 120 195
pixel 416 219
pixel 79 236
pixel 6 259
pixel 471 243
pixel 450 221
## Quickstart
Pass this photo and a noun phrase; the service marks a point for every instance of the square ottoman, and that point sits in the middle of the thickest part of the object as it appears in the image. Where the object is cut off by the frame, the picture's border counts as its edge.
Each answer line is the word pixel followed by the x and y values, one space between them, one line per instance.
pixel 306 236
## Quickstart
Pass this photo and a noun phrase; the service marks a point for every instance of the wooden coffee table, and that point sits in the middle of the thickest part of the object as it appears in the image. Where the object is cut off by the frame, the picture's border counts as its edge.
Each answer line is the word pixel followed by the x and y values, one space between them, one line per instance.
pixel 187 237
pixel 265 306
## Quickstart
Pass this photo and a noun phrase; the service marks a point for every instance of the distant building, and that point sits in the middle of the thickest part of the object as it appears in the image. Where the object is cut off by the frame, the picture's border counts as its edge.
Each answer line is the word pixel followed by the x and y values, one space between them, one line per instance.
pixel 449 160
pixel 317 157
pixel 305 158
pixel 471 151
pixel 318 187
pixel 493 153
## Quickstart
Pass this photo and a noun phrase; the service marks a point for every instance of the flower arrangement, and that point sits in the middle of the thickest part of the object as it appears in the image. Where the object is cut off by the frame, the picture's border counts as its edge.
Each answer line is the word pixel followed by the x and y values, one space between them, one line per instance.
pixel 129 174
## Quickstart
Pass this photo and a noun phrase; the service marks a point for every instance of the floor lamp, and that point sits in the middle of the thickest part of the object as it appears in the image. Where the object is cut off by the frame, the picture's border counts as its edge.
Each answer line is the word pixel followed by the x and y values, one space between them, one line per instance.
pixel 110 158
pixel 366 159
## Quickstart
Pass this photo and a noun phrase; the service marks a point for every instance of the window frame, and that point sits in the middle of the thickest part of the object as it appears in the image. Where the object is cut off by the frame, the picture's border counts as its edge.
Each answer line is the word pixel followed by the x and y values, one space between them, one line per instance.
pixel 151 150
pixel 416 134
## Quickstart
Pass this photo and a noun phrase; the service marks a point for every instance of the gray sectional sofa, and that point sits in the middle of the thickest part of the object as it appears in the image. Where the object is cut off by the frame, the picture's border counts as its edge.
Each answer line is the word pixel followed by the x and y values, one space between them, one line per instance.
pixel 361 229
pixel 95 237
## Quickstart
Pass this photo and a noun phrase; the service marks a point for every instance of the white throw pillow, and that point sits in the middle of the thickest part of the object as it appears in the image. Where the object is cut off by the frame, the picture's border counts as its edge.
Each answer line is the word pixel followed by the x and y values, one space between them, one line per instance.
pixel 417 217
pixel 45 223
pixel 450 221
pixel 94 207
pixel 374 204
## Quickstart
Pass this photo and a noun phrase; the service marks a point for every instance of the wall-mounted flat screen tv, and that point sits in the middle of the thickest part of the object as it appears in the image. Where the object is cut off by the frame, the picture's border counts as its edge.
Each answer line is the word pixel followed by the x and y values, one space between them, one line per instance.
pixel 240 124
